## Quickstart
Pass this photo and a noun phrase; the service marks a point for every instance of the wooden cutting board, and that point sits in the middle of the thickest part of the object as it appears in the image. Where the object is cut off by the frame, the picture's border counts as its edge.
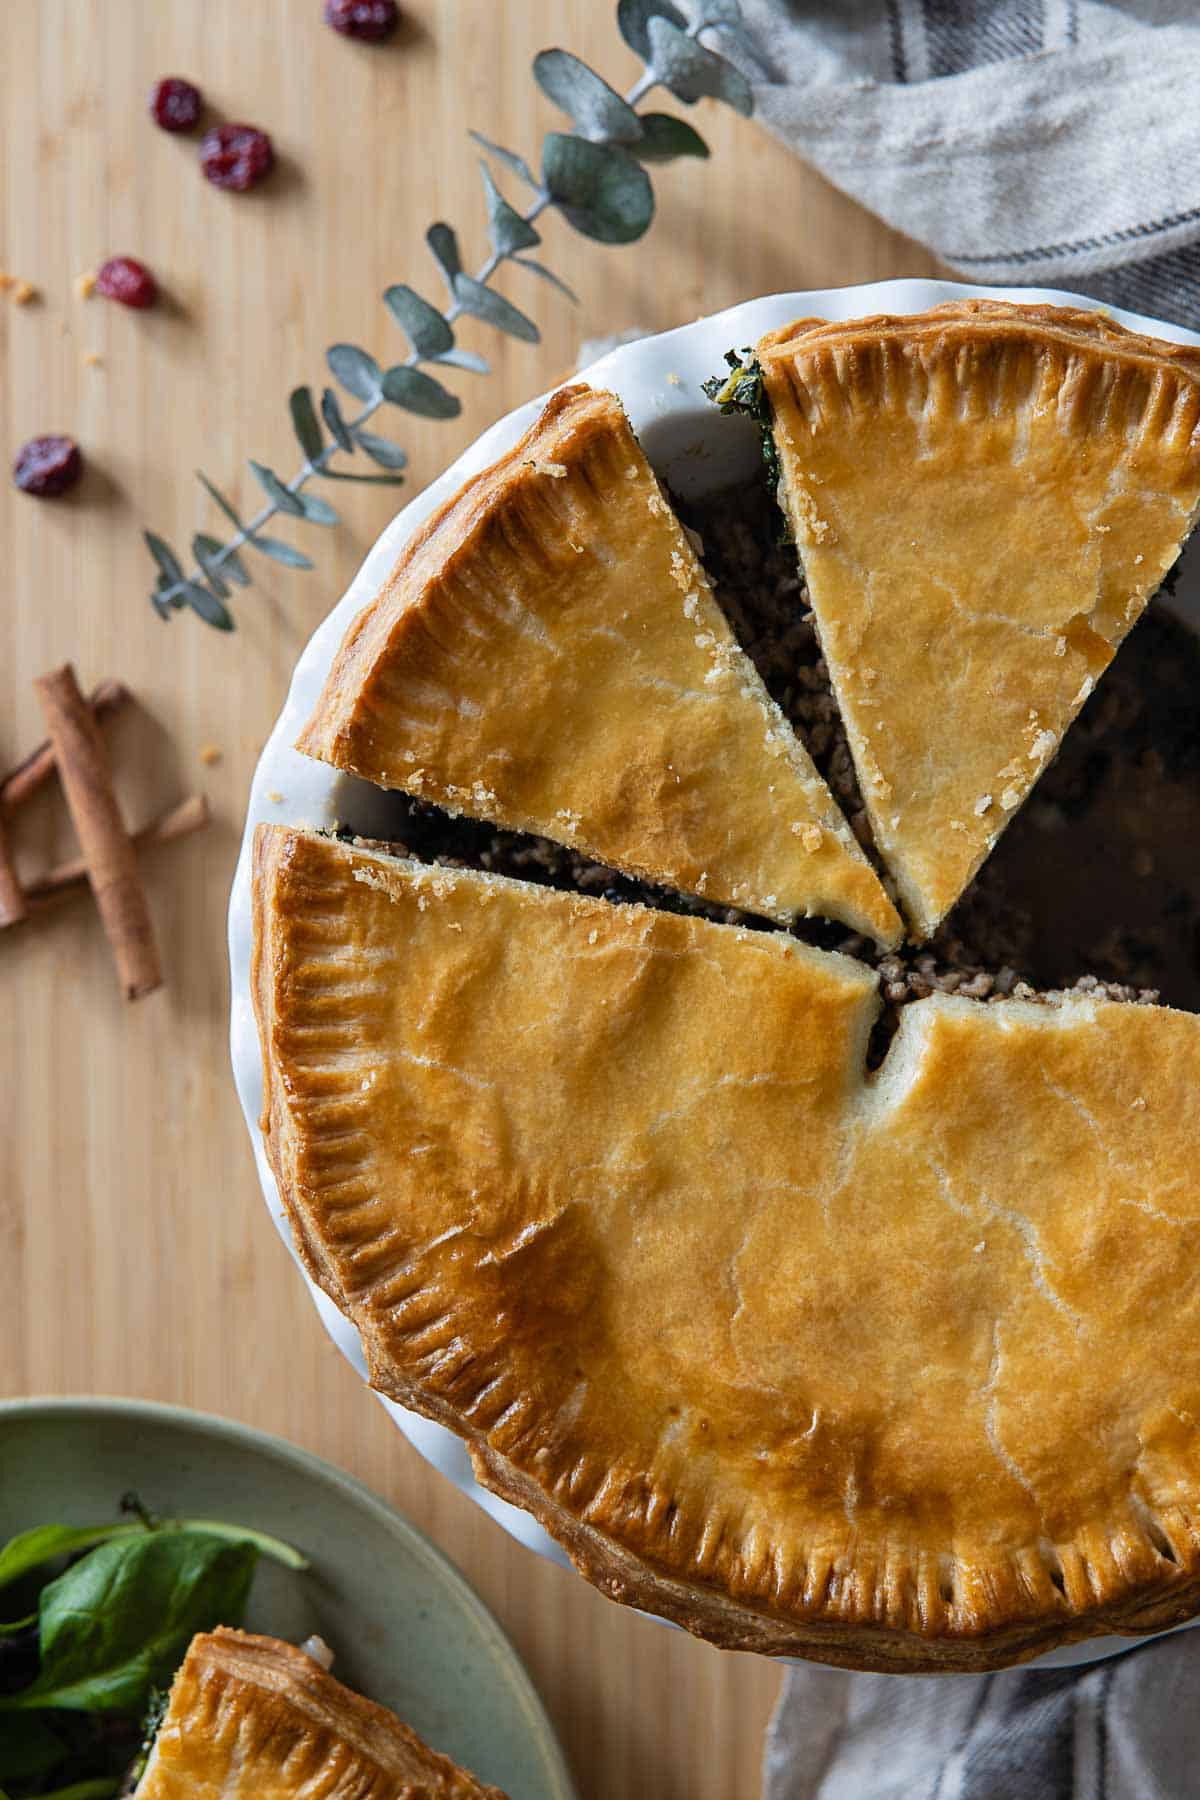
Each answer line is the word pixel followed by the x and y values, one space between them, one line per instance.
pixel 136 1256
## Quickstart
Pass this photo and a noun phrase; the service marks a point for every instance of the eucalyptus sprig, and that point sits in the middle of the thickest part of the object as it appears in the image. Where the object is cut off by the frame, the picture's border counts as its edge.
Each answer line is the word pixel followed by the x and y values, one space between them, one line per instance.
pixel 595 175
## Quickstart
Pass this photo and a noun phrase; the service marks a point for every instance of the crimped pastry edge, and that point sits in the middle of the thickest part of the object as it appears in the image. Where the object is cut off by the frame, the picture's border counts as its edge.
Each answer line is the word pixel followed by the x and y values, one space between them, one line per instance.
pixel 1143 1608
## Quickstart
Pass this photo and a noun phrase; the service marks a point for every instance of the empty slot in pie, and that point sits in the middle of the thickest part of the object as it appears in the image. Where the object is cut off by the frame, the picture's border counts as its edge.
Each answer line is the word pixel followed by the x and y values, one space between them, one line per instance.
pixel 547 655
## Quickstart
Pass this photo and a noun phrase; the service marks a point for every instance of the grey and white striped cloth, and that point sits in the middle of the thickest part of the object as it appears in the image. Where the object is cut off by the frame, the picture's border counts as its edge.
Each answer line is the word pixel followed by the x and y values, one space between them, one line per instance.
pixel 1125 1729
pixel 1053 143
pixel 1050 143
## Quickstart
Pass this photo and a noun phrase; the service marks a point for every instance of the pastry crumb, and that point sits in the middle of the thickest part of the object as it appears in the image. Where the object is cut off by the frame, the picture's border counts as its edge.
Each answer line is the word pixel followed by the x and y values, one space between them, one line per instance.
pixel 275 797
pixel 674 380
pixel 85 284
pixel 210 754
pixel 93 360
pixel 24 293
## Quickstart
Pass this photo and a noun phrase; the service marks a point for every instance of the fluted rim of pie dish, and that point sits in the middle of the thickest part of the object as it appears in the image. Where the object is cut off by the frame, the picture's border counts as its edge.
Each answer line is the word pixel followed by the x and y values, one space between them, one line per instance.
pixel 658 381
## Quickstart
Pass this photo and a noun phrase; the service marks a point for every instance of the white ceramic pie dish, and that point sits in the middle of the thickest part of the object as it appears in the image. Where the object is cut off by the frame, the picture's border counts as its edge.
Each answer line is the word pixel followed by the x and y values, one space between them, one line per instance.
pixel 696 450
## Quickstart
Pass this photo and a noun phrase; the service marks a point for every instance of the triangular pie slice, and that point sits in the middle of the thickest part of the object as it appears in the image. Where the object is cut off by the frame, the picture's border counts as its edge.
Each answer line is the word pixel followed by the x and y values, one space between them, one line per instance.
pixel 548 655
pixel 898 1371
pixel 984 498
pixel 251 1718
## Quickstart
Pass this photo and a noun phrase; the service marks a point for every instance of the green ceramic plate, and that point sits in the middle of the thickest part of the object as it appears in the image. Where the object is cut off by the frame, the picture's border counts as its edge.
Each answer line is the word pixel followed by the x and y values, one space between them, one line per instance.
pixel 404 1626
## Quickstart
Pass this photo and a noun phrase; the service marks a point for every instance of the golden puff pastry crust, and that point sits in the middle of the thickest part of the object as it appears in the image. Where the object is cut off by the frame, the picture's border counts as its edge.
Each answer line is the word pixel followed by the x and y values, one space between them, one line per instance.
pixel 548 655
pixel 894 1370
pixel 984 497
pixel 251 1718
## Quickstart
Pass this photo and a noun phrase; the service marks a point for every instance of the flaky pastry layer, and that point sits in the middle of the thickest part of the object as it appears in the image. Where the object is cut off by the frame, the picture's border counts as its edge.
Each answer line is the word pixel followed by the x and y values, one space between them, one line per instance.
pixel 984 496
pixel 896 1371
pixel 547 655
pixel 252 1718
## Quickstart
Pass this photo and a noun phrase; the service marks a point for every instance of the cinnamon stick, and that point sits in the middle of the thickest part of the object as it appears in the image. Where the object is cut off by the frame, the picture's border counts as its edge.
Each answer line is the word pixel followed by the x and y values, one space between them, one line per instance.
pixel 31 774
pixel 69 878
pixel 12 900
pixel 107 847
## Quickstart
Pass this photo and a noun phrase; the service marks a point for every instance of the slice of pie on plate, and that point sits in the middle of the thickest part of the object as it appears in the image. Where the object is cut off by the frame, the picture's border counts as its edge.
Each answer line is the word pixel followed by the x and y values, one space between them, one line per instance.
pixel 251 1718
pixel 547 655
pixel 984 498
pixel 897 1370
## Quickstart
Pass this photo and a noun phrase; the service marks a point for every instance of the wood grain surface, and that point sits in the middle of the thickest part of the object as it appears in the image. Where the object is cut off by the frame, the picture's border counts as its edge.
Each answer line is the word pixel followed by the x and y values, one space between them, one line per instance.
pixel 135 1252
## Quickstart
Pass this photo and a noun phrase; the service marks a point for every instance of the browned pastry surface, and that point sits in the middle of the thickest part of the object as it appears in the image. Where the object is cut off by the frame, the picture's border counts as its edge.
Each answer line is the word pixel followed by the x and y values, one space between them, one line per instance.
pixel 984 497
pixel 547 655
pixel 897 1371
pixel 251 1718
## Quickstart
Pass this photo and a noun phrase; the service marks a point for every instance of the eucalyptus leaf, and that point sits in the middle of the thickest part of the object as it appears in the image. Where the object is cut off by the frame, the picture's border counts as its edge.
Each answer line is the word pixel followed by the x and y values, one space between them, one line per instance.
pixel 162 607
pixel 381 450
pixel 205 603
pixel 28 1748
pixel 527 262
pixel 506 228
pixel 666 137
pixel 510 159
pixel 694 73
pixel 357 371
pixel 119 1621
pixel 485 303
pixel 216 494
pixel 276 493
pixel 595 109
pixel 171 567
pixel 305 422
pixel 419 393
pixel 468 359
pixel 444 247
pixel 316 510
pixel 376 480
pixel 280 552
pixel 205 551
pixel 633 20
pixel 230 566
pixel 598 188
pixel 339 431
pixel 427 331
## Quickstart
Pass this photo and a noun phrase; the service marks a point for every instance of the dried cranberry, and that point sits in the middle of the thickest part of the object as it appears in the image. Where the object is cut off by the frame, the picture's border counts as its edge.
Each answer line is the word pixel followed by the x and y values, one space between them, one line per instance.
pixel 175 104
pixel 370 21
pixel 130 282
pixel 236 156
pixel 48 466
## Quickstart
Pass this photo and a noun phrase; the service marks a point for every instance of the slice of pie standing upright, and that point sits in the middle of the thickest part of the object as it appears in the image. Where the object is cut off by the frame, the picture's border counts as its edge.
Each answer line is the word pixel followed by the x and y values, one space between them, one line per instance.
pixel 984 498
pixel 547 655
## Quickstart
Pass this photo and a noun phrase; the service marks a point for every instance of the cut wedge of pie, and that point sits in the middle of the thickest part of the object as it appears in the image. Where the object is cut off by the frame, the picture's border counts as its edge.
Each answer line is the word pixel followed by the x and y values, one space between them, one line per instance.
pixel 547 655
pixel 984 498
pixel 251 1718
pixel 898 1370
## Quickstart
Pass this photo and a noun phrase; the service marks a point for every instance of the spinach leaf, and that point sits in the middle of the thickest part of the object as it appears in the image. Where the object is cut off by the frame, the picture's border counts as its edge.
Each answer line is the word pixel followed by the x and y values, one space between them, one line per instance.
pixel 744 391
pixel 28 1748
pixel 103 1788
pixel 119 1620
pixel 30 1549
